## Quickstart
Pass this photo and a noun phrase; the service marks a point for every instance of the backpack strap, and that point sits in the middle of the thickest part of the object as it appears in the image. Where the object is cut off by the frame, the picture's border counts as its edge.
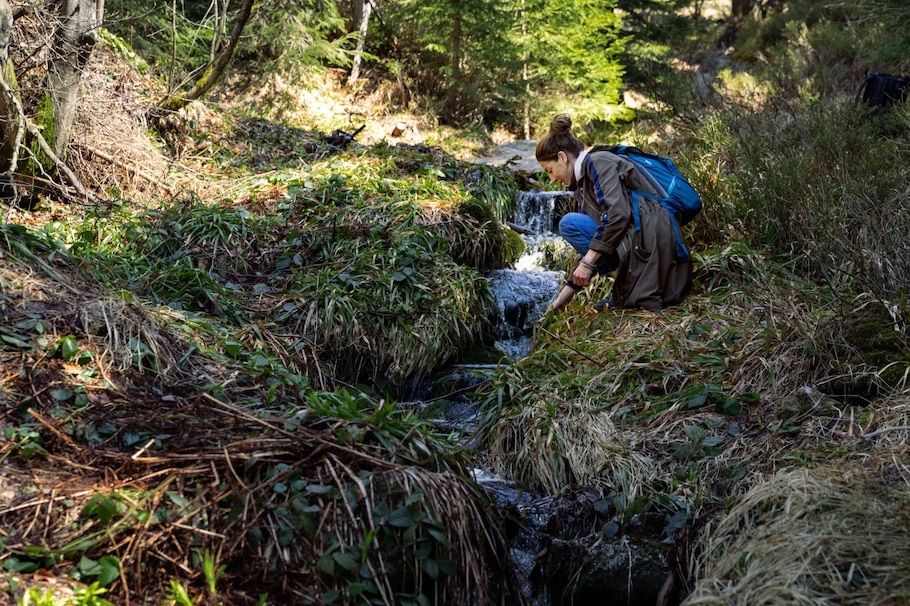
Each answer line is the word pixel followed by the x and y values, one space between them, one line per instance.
pixel 681 250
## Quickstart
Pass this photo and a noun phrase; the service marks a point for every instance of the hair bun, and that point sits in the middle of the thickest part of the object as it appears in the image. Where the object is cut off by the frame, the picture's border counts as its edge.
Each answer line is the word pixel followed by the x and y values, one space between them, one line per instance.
pixel 561 125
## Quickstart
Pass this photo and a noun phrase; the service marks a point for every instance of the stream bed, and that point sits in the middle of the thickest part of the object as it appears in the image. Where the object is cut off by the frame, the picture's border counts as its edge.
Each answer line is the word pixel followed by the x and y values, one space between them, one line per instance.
pixel 563 548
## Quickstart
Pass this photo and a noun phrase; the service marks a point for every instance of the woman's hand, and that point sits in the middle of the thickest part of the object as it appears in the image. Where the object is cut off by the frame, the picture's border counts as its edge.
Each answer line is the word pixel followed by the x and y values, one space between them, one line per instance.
pixel 582 275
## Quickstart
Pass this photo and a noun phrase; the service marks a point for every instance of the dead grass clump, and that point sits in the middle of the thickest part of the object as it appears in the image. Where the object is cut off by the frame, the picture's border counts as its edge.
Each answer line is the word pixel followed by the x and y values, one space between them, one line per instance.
pixel 118 334
pixel 827 535
pixel 554 453
pixel 110 150
pixel 150 478
pixel 292 510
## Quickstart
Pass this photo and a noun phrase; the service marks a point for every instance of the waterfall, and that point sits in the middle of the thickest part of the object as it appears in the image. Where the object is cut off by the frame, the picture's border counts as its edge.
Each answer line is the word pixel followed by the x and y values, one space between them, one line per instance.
pixel 535 211
pixel 523 293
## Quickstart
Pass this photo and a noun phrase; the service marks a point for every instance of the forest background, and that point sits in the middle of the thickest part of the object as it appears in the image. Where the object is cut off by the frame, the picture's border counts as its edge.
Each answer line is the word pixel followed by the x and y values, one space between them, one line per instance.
pixel 214 315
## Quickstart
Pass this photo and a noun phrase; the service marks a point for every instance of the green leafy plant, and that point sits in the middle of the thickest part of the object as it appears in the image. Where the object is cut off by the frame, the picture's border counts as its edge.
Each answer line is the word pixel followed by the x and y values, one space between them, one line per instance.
pixel 179 594
pixel 211 571
pixel 25 439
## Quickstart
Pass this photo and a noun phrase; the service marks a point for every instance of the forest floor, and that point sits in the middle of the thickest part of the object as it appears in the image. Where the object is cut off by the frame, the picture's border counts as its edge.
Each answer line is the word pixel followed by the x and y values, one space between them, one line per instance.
pixel 805 490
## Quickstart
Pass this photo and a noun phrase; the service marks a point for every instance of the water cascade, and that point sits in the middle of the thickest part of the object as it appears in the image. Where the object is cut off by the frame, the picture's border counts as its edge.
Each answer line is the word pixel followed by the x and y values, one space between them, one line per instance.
pixel 523 293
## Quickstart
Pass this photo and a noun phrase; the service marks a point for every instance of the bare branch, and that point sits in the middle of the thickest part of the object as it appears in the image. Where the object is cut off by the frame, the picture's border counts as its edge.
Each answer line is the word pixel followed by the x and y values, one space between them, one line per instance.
pixel 214 71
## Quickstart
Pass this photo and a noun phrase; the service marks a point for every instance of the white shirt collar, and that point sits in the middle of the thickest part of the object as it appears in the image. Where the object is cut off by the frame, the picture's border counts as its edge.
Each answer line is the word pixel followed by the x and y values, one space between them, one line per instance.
pixel 578 164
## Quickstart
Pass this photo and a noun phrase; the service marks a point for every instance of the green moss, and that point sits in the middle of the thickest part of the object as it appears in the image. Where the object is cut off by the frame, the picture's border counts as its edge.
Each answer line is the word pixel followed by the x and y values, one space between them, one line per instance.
pixel 870 330
pixel 486 354
pixel 9 76
pixel 477 209
pixel 513 246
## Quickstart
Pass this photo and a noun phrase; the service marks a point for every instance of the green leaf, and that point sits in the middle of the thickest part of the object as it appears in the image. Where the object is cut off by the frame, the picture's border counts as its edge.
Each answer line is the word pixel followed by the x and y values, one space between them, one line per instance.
pixel 69 347
pixel 611 529
pixel 61 395
pixel 447 566
pixel 318 489
pixel 730 406
pixel 431 568
pixel 178 499
pixel 404 517
pixel 285 536
pixel 17 565
pixel 694 432
pixel 346 561
pixel 14 341
pixel 697 400
pixel 326 564
pixel 102 507
pixel 233 348
pixel 356 588
pixel 677 520
pixel 440 537
pixel 89 567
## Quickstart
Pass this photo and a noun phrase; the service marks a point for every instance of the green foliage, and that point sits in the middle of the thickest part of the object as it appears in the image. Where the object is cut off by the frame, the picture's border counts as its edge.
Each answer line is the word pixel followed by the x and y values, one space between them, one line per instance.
pixel 365 421
pixel 211 571
pixel 26 439
pixel 572 51
pixel 122 49
pixel 458 54
pixel 175 38
pixel 179 39
pixel 82 596
pixel 287 35
pixel 179 594
pixel 404 229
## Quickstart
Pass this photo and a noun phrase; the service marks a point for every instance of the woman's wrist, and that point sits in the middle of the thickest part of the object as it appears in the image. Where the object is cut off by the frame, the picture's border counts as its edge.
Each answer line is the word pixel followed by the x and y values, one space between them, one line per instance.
pixel 584 263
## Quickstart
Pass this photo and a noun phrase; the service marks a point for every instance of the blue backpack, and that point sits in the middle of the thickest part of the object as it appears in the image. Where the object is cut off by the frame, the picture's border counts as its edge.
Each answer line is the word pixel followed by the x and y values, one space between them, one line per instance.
pixel 674 192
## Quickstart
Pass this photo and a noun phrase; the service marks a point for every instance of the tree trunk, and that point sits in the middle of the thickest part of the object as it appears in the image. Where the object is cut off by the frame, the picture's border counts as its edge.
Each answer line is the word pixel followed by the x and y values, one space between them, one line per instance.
pixel 526 109
pixel 362 10
pixel 74 39
pixel 454 64
pixel 741 8
pixel 10 106
pixel 175 101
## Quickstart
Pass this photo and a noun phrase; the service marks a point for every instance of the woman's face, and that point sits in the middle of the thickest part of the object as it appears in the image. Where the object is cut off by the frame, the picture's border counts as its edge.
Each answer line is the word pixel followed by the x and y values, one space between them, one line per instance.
pixel 560 169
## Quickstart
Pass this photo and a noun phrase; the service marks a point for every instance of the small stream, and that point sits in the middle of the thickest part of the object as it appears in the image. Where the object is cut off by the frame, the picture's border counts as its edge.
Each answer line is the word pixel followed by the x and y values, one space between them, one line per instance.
pixel 523 293
pixel 559 543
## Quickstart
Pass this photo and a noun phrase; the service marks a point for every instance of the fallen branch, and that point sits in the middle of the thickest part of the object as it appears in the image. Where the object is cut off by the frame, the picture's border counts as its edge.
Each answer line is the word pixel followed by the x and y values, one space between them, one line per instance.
pixel 58 163
pixel 877 432
pixel 137 171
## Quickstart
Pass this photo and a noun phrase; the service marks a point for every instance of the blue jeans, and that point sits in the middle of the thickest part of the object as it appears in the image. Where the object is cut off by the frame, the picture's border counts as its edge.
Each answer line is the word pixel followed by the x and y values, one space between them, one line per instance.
pixel 578 230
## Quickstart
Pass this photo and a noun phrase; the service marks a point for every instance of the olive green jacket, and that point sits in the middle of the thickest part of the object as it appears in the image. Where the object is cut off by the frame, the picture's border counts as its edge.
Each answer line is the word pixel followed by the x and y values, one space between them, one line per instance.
pixel 650 275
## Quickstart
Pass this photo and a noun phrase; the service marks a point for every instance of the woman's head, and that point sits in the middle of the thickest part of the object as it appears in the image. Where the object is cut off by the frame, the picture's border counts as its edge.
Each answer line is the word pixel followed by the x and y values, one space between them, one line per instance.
pixel 557 151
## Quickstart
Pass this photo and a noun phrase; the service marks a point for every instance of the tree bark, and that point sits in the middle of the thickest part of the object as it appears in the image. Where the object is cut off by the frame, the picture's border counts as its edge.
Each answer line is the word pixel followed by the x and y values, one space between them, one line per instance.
pixel 176 101
pixel 11 126
pixel 362 10
pixel 741 8
pixel 74 39
pixel 454 91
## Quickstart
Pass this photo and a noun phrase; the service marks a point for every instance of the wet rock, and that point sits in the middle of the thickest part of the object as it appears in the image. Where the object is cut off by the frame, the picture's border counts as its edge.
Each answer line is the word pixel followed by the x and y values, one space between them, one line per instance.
pixel 617 571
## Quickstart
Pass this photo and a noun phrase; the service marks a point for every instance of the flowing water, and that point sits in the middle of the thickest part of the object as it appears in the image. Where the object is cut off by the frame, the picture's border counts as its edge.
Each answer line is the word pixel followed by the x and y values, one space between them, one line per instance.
pixel 557 567
pixel 523 293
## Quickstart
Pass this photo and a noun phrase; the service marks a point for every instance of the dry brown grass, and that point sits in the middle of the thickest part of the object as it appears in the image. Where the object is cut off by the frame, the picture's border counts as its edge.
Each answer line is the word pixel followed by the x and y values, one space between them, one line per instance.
pixel 825 535
pixel 220 456
pixel 69 303
pixel 110 151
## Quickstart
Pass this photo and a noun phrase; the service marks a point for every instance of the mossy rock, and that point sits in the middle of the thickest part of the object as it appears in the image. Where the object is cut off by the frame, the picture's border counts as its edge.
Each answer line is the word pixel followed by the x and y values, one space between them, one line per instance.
pixel 513 246
pixel 618 571
pixel 870 333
